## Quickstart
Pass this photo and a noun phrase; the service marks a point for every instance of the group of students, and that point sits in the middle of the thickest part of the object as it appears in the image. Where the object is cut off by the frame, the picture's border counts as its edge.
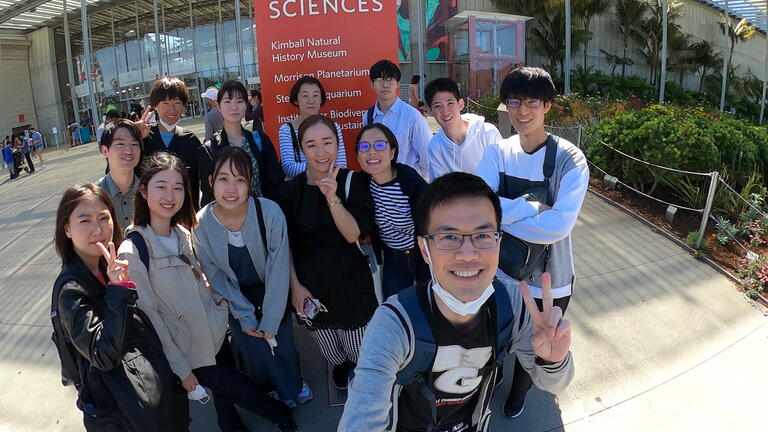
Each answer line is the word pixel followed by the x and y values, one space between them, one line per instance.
pixel 183 241
pixel 23 147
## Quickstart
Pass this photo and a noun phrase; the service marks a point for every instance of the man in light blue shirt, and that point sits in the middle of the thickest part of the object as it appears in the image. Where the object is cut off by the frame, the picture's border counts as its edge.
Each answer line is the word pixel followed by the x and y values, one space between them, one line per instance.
pixel 406 122
pixel 37 145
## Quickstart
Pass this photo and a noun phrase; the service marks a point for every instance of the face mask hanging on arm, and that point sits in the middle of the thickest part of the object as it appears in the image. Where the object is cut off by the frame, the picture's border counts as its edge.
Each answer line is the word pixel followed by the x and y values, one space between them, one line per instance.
pixel 455 305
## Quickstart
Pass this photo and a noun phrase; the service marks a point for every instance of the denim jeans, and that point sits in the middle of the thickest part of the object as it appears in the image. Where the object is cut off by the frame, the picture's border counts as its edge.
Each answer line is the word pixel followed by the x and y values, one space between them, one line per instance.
pixel 402 268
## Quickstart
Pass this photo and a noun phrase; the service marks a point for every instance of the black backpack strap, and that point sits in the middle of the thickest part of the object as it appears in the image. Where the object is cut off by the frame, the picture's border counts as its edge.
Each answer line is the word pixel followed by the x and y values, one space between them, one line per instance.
pixel 262 227
pixel 295 141
pixel 425 348
pixel 505 320
pixel 369 114
pixel 549 157
pixel 141 246
pixel 215 142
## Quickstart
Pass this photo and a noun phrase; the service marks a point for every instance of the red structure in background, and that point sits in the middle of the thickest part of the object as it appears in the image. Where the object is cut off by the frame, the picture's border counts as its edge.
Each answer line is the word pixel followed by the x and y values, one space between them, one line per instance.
pixel 483 48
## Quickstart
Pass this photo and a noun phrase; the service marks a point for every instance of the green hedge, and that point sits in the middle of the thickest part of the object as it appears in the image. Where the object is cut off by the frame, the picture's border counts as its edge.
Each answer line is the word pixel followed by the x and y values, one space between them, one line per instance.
pixel 691 139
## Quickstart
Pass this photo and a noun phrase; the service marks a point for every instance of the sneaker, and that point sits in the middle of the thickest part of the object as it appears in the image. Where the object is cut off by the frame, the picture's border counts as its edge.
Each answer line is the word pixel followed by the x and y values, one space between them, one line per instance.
pixel 305 395
pixel 341 376
pixel 287 427
pixel 513 409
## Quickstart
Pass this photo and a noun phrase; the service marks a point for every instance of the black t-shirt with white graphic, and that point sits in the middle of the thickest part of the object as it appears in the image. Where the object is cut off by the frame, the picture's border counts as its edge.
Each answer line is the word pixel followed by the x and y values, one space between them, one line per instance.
pixel 462 351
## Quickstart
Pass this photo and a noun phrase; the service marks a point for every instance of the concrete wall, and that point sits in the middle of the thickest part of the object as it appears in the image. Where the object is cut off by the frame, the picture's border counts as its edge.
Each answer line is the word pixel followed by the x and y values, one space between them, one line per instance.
pixel 45 89
pixel 16 89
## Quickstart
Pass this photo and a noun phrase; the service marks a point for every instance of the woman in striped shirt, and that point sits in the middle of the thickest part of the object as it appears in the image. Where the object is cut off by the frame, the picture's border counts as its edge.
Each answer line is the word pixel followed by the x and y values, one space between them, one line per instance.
pixel 395 189
pixel 308 95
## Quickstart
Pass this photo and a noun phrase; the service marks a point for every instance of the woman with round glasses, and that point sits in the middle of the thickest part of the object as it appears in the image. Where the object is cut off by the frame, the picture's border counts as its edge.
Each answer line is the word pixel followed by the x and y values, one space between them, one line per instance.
pixel 395 189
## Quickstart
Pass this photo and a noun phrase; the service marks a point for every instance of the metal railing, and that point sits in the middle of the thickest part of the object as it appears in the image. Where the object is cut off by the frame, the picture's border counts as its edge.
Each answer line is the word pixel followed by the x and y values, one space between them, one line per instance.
pixel 714 176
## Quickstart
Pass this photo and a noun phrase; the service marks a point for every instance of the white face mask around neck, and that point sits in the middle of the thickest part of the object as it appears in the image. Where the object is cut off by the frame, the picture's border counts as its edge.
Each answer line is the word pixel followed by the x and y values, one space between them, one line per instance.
pixel 455 305
pixel 168 127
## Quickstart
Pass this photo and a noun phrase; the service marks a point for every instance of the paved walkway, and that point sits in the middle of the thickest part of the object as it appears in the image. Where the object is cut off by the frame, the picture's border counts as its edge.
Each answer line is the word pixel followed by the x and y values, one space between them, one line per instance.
pixel 662 342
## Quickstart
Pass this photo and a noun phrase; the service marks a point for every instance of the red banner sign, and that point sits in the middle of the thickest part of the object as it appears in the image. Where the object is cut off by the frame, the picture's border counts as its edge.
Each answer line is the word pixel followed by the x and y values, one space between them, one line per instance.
pixel 335 41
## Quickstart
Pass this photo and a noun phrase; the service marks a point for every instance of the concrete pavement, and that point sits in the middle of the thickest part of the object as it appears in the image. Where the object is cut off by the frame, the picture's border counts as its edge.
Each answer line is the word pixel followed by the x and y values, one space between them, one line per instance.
pixel 661 341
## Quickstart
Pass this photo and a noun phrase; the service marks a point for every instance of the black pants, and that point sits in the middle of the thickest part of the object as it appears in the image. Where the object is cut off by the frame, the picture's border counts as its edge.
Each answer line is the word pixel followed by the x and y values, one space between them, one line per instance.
pixel 230 388
pixel 521 381
pixel 28 156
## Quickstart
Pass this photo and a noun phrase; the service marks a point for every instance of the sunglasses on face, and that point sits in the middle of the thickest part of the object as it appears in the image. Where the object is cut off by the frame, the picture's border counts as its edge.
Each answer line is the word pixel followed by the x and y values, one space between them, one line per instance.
pixel 516 103
pixel 365 146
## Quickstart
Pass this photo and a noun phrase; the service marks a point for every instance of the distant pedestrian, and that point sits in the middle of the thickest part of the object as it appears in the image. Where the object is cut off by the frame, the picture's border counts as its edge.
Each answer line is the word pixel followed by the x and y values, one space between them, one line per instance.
pixel 74 131
pixel 214 121
pixel 38 144
pixel 255 111
pixel 8 158
pixel 26 148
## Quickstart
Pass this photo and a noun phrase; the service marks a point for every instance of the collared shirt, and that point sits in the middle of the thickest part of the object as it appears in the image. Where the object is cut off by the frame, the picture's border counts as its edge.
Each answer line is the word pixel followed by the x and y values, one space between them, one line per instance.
pixel 410 129
pixel 123 202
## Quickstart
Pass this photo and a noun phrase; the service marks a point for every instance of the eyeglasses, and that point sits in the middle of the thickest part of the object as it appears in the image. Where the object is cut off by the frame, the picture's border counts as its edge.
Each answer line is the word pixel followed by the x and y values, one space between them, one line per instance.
pixel 365 146
pixel 516 103
pixel 453 241
pixel 388 80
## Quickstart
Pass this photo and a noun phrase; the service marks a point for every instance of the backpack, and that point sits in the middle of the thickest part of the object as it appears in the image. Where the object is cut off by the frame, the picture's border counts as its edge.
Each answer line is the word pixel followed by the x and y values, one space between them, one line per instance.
pixel 519 258
pixel 369 114
pixel 70 370
pixel 425 347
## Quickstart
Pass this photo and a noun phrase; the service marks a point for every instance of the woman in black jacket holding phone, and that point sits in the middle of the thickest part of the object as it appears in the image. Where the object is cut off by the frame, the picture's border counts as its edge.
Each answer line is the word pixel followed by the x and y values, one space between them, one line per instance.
pixel 108 347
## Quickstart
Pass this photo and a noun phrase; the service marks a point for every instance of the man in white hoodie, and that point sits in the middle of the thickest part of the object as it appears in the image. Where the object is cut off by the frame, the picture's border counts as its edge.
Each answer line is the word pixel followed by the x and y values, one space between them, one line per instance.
pixel 460 144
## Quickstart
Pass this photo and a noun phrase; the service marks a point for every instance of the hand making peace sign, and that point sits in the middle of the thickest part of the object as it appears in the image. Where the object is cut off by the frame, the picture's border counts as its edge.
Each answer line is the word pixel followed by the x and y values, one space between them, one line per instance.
pixel 143 123
pixel 328 184
pixel 117 270
pixel 551 334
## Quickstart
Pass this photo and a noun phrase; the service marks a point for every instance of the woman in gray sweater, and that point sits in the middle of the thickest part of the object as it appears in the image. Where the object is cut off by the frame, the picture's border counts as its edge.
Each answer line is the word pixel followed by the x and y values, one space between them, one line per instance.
pixel 242 244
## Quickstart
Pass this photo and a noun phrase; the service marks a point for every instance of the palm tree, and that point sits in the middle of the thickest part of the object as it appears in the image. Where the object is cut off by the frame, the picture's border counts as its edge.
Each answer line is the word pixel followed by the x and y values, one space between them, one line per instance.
pixel 743 31
pixel 629 14
pixel 548 37
pixel 587 10
pixel 703 59
pixel 680 54
pixel 650 37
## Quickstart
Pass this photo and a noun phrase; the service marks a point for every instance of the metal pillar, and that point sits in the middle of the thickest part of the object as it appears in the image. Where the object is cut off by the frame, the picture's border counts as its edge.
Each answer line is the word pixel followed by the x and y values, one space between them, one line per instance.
pixel 725 57
pixel 567 63
pixel 88 60
pixel 239 39
pixel 765 83
pixel 220 55
pixel 167 50
pixel 114 51
pixel 420 44
pixel 157 41
pixel 70 74
pixel 664 25
pixel 140 47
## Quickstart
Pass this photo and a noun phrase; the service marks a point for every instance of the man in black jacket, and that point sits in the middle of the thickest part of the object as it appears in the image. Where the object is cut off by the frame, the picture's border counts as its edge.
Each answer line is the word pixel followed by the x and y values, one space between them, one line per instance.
pixel 167 98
